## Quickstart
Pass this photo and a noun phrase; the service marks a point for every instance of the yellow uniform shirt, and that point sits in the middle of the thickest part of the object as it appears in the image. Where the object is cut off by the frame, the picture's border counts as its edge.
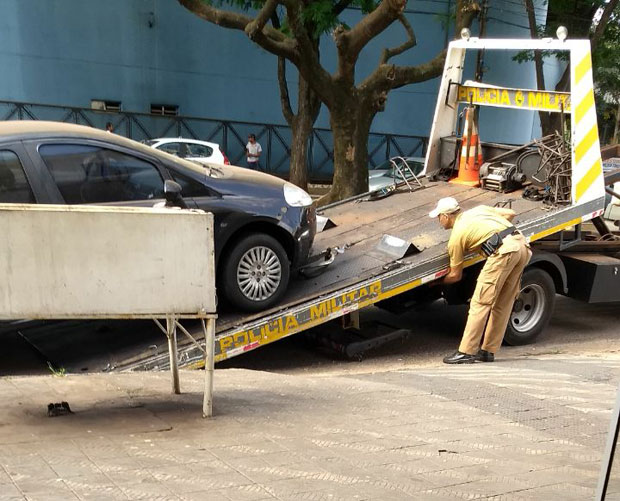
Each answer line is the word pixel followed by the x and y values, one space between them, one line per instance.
pixel 472 228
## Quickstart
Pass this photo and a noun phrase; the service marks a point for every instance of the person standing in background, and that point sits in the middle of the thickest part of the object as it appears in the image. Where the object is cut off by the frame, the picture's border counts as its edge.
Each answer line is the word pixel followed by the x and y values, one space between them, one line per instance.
pixel 253 150
pixel 109 127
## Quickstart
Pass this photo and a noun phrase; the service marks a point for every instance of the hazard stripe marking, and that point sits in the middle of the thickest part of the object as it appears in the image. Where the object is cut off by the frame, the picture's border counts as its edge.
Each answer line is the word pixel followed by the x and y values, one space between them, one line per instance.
pixel 582 68
pixel 586 181
pixel 586 143
pixel 584 106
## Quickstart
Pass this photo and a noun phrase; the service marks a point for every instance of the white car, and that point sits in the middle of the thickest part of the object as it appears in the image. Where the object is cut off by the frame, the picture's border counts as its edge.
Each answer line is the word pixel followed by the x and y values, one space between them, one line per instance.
pixel 190 149
pixel 386 174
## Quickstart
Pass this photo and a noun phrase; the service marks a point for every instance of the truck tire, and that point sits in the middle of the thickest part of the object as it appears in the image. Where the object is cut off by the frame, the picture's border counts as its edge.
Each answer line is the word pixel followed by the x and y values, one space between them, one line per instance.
pixel 255 273
pixel 532 309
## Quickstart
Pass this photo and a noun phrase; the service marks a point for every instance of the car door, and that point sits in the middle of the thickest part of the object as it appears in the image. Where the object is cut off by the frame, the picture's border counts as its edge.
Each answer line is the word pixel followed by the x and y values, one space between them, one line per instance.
pixel 90 172
pixel 202 196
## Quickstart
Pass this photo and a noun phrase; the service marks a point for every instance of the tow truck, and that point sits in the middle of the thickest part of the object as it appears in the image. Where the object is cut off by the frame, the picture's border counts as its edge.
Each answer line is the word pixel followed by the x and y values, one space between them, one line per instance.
pixel 388 249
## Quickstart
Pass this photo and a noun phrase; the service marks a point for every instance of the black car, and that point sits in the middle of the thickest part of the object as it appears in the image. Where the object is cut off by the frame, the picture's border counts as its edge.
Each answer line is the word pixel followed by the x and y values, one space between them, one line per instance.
pixel 264 226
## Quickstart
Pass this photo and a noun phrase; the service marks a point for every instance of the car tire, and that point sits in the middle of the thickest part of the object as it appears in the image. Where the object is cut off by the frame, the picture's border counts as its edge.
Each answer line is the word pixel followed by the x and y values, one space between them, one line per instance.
pixel 533 308
pixel 255 273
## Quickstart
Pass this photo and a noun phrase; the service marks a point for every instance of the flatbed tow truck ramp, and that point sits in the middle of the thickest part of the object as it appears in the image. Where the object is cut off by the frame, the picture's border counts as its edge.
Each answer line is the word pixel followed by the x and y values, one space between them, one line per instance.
pixel 391 245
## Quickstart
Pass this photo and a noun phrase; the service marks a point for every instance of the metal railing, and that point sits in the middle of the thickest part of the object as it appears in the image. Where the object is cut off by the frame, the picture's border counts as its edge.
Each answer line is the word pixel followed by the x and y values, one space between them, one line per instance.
pixel 230 135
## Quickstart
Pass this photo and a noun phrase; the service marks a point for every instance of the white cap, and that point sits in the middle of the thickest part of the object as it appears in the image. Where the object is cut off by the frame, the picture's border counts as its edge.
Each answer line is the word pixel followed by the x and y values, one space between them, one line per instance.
pixel 446 205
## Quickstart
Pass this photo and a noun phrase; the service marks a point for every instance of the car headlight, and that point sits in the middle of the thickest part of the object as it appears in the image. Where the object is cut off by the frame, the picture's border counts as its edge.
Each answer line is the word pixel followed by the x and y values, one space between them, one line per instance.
pixel 295 196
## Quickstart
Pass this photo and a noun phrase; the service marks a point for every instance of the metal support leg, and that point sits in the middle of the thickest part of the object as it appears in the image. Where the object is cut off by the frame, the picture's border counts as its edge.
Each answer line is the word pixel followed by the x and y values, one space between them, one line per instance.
pixel 171 334
pixel 208 327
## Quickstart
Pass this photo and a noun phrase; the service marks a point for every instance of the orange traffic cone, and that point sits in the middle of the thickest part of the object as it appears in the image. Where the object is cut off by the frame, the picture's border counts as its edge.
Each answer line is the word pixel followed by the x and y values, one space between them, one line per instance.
pixel 470 158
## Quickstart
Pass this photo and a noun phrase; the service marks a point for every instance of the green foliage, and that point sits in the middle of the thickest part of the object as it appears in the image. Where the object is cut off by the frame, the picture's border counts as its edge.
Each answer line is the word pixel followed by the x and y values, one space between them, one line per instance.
pixel 575 15
pixel 320 15
pixel 366 5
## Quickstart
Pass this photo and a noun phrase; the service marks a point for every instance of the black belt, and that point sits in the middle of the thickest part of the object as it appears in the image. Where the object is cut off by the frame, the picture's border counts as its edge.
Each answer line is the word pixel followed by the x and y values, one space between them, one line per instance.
pixel 494 242
pixel 511 230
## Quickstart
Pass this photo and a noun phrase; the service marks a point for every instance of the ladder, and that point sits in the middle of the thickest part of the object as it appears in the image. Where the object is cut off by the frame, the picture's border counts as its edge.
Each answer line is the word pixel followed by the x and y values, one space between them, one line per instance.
pixel 403 172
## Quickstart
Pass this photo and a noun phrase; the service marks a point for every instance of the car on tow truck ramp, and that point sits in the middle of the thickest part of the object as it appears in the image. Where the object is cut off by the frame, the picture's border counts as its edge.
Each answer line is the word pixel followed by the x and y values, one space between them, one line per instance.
pixel 264 226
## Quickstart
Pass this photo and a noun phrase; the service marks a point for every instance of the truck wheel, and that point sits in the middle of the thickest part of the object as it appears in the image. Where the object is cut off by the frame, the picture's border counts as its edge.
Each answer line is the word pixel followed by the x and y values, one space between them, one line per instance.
pixel 532 309
pixel 255 273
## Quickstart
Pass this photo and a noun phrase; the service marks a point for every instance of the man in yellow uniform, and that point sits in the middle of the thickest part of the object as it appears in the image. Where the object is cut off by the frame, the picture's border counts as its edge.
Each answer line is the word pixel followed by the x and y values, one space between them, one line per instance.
pixel 489 231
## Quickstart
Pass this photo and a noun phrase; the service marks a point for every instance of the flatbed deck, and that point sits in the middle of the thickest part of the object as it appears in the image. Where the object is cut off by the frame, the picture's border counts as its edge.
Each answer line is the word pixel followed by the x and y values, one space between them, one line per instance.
pixel 363 274
pixel 361 224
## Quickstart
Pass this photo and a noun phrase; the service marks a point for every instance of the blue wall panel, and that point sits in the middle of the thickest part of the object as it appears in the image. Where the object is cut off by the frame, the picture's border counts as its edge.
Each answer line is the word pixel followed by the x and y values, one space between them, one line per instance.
pixel 153 51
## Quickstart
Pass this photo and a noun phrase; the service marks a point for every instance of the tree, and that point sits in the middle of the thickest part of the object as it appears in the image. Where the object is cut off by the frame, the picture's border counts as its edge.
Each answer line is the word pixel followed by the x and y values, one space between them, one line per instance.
pixel 352 106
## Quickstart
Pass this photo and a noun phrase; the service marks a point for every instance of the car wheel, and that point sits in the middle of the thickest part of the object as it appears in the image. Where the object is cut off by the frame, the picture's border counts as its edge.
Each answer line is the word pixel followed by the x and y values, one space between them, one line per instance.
pixel 255 273
pixel 532 309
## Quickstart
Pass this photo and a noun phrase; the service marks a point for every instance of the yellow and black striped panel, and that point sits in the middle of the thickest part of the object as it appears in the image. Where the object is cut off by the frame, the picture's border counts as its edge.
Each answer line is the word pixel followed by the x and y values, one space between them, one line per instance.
pixel 587 166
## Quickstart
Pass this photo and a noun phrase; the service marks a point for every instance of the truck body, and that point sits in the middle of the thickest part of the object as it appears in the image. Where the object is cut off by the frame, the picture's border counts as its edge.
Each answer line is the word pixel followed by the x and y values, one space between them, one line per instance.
pixel 393 250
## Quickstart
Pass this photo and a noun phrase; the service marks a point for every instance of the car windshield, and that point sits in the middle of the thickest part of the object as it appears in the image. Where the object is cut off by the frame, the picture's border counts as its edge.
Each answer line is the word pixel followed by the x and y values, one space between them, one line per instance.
pixel 414 164
pixel 384 165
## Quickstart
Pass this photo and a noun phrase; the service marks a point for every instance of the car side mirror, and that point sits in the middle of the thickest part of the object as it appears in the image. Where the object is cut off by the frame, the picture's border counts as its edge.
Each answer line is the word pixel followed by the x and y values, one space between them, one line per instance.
pixel 172 194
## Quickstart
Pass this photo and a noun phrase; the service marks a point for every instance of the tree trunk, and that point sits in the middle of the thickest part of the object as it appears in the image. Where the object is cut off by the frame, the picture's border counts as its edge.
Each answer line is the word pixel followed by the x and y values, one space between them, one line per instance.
pixel 301 130
pixel 349 180
pixel 351 128
pixel 545 118
pixel 614 140
pixel 301 125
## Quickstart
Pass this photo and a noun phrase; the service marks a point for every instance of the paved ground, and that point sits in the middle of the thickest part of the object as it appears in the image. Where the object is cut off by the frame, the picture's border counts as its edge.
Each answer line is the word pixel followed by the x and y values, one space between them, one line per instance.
pixel 527 427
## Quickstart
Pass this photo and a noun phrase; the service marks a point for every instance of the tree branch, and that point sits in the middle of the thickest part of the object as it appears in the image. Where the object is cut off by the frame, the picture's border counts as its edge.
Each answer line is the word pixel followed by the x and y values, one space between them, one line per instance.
pixel 285 100
pixel 387 77
pixel 466 11
pixel 405 75
pixel 268 38
pixel 341 6
pixel 564 82
pixel 309 64
pixel 351 42
pixel 387 54
pixel 602 23
pixel 258 23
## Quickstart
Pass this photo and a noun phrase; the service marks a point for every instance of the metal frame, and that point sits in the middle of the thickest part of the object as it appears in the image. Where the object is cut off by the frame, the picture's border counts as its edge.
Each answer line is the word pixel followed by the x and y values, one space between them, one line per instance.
pixel 208 329
pixel 231 135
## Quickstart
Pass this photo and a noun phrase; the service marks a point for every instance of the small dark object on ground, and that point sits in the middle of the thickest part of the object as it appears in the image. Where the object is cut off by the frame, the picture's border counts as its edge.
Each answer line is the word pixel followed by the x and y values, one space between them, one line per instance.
pixel 58 409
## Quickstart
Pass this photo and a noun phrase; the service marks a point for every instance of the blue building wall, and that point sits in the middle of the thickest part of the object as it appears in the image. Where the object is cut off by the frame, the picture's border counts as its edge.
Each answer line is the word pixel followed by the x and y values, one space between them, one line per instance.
pixel 153 51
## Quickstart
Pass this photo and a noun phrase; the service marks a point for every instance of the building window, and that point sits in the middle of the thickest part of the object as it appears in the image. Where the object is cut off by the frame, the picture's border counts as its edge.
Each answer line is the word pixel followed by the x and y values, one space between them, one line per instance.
pixel 102 105
pixel 167 110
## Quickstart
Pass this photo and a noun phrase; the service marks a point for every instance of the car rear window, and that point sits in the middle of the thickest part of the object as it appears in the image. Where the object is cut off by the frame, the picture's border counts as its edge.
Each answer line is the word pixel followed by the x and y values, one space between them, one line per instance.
pixel 14 186
pixel 199 150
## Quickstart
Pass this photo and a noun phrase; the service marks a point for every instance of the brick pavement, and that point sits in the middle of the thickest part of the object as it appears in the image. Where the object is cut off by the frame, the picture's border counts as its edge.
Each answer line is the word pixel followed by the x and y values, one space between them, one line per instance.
pixel 527 428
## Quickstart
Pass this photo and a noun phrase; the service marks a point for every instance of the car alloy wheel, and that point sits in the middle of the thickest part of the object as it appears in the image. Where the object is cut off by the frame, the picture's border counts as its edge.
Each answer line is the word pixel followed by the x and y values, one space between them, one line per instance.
pixel 254 273
pixel 259 273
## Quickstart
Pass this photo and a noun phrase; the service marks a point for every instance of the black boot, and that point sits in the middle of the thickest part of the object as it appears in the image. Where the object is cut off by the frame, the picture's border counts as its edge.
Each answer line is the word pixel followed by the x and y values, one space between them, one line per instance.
pixel 459 358
pixel 485 356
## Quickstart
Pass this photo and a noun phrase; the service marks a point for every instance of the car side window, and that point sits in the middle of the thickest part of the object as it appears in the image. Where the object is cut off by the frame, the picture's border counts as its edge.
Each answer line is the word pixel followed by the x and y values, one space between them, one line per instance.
pixel 14 187
pixel 89 174
pixel 199 150
pixel 189 186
